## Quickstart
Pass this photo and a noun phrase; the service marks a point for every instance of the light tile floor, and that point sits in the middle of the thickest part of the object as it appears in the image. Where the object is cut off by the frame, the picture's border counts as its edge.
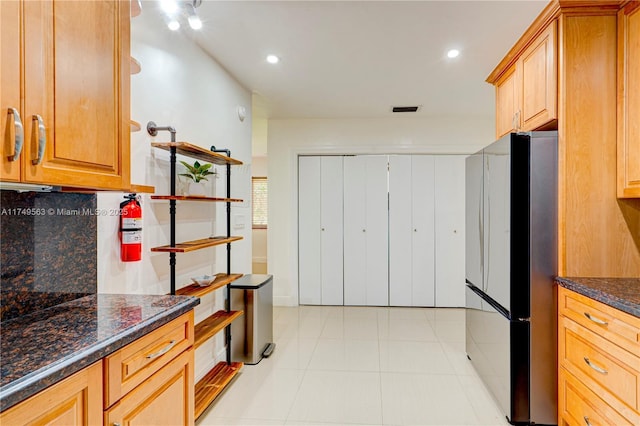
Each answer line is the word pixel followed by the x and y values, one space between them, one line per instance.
pixel 360 365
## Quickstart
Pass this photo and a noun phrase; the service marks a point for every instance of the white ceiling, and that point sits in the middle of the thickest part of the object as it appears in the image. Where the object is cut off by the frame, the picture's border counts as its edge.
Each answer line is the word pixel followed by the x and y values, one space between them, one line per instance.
pixel 359 58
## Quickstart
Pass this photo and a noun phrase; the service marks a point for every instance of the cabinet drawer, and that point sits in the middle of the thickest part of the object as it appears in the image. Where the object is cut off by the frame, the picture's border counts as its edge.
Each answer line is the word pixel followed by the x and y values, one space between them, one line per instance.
pixel 580 406
pixel 165 398
pixel 131 365
pixel 612 324
pixel 600 364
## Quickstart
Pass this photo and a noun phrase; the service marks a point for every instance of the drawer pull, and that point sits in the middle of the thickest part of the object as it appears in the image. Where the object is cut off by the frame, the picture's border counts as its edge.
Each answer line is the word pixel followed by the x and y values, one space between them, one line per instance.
pixel 595 319
pixel 595 367
pixel 163 350
pixel 586 421
pixel 19 136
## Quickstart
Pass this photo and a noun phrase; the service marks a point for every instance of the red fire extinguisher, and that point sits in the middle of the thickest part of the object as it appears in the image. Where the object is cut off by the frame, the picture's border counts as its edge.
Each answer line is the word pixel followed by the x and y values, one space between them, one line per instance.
pixel 130 229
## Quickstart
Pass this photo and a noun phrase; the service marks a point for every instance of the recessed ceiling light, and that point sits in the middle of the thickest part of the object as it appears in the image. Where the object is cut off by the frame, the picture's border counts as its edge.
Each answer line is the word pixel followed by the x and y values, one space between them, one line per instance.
pixel 273 59
pixel 173 25
pixel 453 53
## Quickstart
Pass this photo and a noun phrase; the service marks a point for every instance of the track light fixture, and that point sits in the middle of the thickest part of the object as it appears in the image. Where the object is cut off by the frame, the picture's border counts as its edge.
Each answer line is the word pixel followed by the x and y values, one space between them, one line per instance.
pixel 174 9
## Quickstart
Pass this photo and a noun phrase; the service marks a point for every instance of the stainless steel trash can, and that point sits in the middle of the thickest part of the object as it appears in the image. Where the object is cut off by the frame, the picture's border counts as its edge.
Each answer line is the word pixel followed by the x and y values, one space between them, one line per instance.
pixel 252 333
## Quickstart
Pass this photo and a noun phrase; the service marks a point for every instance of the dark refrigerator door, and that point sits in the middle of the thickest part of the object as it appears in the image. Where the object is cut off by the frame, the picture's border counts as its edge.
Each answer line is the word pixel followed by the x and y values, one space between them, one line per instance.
pixel 474 237
pixel 499 350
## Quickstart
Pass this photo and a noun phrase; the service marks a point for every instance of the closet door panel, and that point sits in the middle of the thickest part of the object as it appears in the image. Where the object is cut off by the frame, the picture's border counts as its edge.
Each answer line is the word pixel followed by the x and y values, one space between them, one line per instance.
pixel 354 230
pixel 331 234
pixel 377 231
pixel 309 272
pixel 423 223
pixel 449 237
pixel 400 231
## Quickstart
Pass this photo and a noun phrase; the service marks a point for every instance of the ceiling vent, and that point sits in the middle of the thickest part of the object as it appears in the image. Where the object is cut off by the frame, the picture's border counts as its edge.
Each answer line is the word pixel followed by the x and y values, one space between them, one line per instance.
pixel 405 108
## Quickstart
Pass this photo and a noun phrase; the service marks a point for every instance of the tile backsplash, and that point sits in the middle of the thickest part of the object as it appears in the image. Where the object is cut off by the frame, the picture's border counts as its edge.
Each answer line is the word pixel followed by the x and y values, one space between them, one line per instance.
pixel 48 250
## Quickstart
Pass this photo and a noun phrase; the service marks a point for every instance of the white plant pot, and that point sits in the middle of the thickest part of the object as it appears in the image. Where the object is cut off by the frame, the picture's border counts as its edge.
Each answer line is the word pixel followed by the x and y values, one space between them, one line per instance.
pixel 196 188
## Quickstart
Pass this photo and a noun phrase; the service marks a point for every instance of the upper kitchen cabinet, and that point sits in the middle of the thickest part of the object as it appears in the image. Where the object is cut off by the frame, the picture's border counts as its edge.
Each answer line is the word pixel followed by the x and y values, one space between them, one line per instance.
pixel 567 68
pixel 65 73
pixel 507 105
pixel 526 91
pixel 10 103
pixel 629 100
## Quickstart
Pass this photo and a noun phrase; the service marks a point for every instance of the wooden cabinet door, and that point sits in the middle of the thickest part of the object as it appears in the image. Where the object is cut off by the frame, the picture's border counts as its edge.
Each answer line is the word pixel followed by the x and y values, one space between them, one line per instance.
pixel 628 166
pixel 538 74
pixel 507 103
pixel 10 69
pixel 164 399
pixel 76 80
pixel 76 400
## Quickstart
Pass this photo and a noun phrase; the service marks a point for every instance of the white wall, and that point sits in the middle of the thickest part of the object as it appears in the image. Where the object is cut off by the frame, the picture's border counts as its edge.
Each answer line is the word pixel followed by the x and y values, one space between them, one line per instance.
pixel 395 135
pixel 183 87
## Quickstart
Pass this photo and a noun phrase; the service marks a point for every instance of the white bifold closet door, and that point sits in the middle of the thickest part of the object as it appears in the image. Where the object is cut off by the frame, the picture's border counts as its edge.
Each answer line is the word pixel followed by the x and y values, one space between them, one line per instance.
pixel 366 230
pixel 320 221
pixel 411 230
pixel 450 230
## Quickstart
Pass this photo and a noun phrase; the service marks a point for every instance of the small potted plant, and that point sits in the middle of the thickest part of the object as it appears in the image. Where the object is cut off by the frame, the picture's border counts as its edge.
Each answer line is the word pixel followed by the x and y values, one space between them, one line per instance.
pixel 197 172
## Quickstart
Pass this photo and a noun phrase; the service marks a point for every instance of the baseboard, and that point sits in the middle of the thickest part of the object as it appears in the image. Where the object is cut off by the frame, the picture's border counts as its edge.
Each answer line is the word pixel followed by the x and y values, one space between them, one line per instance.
pixel 285 301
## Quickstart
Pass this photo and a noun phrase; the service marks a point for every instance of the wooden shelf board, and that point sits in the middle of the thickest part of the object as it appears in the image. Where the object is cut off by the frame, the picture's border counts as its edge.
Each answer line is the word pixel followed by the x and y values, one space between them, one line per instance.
pixel 214 382
pixel 188 246
pixel 134 126
pixel 135 66
pixel 140 189
pixel 193 151
pixel 195 198
pixel 210 326
pixel 198 291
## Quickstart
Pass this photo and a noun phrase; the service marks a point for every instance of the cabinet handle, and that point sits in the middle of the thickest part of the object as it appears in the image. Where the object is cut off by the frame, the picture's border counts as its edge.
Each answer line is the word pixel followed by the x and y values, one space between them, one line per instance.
pixel 163 350
pixel 364 230
pixel 595 319
pixel 586 421
pixel 42 139
pixel 19 137
pixel 118 424
pixel 595 367
pixel 415 230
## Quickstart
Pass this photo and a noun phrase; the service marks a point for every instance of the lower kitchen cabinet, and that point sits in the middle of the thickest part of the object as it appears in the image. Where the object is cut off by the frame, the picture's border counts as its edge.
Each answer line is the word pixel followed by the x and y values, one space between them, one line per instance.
pixel 76 400
pixel 150 381
pixel 165 398
pixel 598 363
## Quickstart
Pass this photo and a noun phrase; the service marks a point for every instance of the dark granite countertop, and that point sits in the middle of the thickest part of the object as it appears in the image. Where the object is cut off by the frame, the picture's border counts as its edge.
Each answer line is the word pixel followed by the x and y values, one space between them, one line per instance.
pixel 42 348
pixel 619 293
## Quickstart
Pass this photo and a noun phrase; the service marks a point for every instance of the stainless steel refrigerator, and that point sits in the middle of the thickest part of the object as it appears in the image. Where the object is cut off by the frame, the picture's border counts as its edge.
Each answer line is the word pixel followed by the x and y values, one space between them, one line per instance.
pixel 510 266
